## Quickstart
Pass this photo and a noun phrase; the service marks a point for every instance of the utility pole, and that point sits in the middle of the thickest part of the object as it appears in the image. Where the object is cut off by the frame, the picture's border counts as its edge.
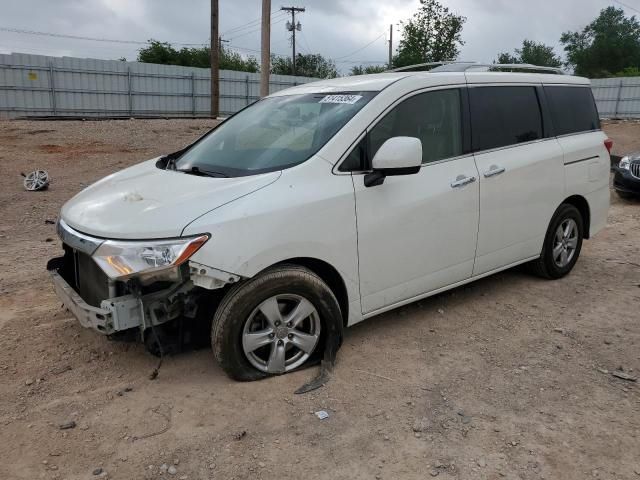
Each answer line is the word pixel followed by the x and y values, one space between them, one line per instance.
pixel 215 61
pixel 265 48
pixel 390 46
pixel 292 27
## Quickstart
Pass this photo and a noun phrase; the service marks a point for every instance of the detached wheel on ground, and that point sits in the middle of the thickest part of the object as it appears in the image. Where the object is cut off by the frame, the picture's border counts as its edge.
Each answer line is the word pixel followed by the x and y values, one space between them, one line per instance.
pixel 562 243
pixel 273 323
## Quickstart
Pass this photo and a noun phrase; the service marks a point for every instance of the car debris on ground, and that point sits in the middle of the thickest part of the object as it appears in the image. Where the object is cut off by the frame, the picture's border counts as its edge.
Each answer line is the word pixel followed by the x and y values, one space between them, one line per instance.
pixel 36 180
pixel 624 376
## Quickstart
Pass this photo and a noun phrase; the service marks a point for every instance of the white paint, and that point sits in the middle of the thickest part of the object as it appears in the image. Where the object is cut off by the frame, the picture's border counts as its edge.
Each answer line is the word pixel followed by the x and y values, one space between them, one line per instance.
pixel 144 201
pixel 516 205
pixel 410 237
pixel 398 152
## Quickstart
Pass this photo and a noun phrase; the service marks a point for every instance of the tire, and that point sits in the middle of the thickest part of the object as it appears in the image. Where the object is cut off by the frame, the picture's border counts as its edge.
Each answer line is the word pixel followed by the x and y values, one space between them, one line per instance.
pixel 625 195
pixel 553 268
pixel 240 317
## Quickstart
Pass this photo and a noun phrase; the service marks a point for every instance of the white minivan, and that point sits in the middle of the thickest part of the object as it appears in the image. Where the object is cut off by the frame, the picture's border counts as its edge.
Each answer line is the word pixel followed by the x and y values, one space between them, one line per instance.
pixel 328 203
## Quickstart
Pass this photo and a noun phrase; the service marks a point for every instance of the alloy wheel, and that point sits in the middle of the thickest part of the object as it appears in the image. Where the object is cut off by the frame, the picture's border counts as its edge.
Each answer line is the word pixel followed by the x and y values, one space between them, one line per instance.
pixel 281 333
pixel 565 242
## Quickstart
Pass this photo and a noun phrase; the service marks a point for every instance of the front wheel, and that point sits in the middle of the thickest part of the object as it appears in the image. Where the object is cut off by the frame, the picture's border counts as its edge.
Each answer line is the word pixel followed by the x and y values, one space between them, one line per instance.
pixel 272 323
pixel 562 243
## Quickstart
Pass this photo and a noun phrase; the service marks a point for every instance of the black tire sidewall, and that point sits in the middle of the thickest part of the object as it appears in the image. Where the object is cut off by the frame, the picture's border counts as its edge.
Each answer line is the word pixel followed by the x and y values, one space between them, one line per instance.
pixel 229 320
pixel 563 213
pixel 626 195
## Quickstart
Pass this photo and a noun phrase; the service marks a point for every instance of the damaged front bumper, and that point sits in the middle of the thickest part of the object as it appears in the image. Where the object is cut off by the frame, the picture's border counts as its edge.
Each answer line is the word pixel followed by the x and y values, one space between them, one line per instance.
pixel 109 305
pixel 127 311
pixel 113 315
pixel 135 301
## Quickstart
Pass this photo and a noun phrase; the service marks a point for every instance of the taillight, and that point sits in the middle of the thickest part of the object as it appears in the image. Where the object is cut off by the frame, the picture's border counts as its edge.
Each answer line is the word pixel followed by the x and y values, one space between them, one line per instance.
pixel 609 144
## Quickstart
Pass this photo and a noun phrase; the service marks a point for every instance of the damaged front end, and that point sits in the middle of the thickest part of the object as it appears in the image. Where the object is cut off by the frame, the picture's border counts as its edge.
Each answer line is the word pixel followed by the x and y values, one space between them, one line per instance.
pixel 114 286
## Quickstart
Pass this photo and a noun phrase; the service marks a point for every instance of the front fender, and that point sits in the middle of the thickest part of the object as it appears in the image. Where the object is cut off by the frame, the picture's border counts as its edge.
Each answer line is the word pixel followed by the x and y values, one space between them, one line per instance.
pixel 308 212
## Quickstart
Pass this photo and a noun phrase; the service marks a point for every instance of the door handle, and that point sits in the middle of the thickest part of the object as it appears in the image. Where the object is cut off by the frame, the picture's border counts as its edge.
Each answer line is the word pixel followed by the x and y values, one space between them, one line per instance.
pixel 493 171
pixel 461 181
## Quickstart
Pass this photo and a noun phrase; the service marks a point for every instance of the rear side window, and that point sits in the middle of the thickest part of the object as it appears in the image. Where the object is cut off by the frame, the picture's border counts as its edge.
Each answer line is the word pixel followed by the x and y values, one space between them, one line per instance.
pixel 572 109
pixel 503 116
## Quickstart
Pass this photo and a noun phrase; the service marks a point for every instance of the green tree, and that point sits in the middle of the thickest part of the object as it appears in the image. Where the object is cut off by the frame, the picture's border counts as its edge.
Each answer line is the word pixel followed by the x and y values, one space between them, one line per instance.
pixel 506 57
pixel 311 65
pixel 434 34
pixel 629 72
pixel 367 69
pixel 164 54
pixel 158 52
pixel 609 44
pixel 234 61
pixel 533 53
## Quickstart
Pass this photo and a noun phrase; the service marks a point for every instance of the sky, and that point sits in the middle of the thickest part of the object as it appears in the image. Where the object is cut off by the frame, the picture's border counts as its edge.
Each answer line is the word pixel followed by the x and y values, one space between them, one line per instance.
pixel 350 32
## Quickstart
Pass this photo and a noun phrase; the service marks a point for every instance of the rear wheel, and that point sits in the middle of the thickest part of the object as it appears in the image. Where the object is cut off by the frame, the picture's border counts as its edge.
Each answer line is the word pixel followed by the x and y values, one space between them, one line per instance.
pixel 562 244
pixel 273 323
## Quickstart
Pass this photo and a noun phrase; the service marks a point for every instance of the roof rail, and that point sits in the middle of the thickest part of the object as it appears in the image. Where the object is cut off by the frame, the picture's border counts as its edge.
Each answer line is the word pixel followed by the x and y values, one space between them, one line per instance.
pixel 451 66
pixel 418 67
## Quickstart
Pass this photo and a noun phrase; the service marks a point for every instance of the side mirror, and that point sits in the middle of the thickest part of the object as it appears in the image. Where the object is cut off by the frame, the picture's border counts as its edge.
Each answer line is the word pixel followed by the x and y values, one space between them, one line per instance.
pixel 396 156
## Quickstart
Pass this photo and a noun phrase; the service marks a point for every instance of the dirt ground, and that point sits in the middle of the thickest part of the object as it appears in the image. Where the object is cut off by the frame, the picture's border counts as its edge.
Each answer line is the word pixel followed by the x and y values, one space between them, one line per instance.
pixel 509 377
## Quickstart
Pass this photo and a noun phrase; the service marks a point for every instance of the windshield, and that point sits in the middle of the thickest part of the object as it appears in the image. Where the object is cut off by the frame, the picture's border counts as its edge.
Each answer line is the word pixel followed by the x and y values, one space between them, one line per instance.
pixel 272 134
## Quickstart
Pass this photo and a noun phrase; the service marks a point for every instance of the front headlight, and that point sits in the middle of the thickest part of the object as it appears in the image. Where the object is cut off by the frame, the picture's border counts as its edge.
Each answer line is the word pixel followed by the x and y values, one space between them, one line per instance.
pixel 120 258
pixel 624 163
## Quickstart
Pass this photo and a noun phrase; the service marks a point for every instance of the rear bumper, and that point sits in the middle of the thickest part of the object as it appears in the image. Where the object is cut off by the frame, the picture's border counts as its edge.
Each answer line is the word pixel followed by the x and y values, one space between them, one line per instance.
pixel 624 182
pixel 113 315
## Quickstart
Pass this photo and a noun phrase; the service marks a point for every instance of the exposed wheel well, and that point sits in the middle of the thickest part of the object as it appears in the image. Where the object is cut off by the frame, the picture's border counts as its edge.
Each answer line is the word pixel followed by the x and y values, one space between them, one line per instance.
pixel 330 276
pixel 583 207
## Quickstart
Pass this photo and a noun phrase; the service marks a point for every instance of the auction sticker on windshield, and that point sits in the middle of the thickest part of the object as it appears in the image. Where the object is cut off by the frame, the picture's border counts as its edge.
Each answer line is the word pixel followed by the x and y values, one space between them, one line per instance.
pixel 350 99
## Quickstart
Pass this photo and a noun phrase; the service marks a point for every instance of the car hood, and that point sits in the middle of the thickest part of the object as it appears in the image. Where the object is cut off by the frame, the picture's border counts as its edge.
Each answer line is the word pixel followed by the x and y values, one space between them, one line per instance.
pixel 144 201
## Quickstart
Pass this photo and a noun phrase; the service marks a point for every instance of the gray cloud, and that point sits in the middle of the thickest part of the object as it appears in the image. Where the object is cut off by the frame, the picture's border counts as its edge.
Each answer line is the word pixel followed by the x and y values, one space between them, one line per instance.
pixel 335 28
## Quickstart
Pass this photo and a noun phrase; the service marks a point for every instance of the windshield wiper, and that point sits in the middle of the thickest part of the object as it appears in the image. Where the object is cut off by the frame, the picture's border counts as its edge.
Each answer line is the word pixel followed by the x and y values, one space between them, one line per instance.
pixel 203 173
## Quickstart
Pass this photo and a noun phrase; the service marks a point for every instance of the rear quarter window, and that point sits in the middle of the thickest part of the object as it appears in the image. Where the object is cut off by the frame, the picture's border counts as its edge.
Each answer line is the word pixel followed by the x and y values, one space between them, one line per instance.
pixel 573 109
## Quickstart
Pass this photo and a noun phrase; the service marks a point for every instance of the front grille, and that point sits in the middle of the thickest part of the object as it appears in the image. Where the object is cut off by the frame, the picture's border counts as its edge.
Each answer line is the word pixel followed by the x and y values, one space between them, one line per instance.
pixel 635 169
pixel 84 276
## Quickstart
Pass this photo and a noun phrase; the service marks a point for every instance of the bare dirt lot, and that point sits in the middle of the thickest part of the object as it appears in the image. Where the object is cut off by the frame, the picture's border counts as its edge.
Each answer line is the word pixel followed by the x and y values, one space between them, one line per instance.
pixel 509 377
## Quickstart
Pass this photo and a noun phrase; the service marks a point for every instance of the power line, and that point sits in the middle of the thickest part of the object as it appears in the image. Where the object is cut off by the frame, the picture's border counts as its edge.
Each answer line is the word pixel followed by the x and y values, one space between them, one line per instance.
pixel 235 47
pixel 111 40
pixel 244 25
pixel 280 20
pixel 130 42
pixel 305 41
pixel 361 48
pixel 92 39
pixel 628 6
pixel 252 24
pixel 302 47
